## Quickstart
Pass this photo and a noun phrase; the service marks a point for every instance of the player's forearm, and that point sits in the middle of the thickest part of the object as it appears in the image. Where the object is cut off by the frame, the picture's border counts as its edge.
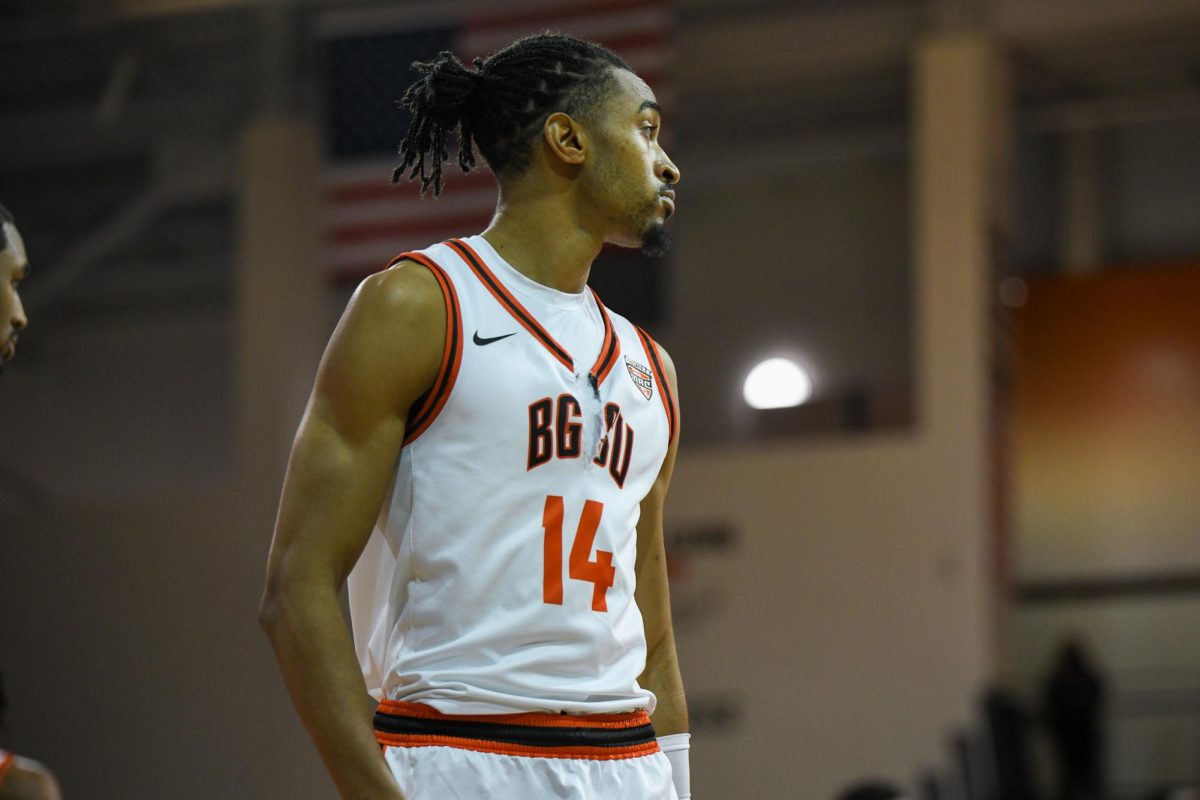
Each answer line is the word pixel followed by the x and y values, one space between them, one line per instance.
pixel 316 656
pixel 662 677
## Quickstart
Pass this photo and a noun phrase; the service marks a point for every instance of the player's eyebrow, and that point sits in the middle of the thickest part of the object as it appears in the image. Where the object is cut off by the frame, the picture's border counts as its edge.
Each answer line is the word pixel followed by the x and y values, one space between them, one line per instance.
pixel 649 104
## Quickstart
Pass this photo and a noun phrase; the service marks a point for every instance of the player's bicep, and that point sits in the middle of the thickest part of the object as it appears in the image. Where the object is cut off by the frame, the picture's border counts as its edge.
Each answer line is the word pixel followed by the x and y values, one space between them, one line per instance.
pixel 382 357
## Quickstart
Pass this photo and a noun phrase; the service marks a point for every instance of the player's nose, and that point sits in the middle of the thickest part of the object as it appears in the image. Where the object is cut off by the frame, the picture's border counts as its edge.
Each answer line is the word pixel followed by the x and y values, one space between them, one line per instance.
pixel 667 172
pixel 19 321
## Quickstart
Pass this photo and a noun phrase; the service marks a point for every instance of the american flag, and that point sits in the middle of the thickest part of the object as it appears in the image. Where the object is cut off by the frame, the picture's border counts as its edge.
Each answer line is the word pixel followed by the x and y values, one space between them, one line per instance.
pixel 367 66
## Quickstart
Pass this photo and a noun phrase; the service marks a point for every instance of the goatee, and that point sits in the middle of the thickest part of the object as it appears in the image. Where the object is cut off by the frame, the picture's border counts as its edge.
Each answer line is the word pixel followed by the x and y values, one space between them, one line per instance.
pixel 657 241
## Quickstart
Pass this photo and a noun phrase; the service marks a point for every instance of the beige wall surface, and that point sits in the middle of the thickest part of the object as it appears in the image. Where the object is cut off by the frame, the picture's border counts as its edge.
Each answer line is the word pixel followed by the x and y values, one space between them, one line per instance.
pixel 845 632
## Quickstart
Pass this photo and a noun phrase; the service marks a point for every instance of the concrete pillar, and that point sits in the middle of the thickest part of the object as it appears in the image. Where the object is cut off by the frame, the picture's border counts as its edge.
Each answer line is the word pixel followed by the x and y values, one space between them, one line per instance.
pixel 280 309
pixel 962 139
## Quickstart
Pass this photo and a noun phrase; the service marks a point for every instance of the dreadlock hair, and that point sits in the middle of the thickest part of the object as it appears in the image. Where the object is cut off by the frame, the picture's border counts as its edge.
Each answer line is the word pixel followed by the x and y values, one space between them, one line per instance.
pixel 501 105
pixel 5 217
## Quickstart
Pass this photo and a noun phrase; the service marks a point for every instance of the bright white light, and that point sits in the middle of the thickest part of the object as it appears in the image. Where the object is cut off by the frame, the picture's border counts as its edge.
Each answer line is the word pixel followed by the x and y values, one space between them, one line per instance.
pixel 777 383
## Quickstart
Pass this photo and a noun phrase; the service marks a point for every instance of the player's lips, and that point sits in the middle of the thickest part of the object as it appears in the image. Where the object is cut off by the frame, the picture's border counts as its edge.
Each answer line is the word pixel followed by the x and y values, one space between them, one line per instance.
pixel 10 350
pixel 668 198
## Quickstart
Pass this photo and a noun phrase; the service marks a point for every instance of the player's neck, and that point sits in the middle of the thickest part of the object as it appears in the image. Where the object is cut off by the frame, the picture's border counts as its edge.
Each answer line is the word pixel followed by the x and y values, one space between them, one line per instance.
pixel 541 241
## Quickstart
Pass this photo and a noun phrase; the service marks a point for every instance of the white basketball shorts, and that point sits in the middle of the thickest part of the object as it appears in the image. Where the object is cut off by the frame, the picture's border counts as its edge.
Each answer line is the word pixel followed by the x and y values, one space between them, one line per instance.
pixel 536 756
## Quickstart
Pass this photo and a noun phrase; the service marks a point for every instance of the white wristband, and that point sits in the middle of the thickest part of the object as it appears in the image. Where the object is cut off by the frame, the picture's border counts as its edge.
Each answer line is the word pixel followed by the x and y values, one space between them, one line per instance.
pixel 676 748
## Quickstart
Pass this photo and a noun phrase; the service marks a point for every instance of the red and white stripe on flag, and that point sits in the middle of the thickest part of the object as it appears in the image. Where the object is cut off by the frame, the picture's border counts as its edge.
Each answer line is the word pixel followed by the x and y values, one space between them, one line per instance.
pixel 367 221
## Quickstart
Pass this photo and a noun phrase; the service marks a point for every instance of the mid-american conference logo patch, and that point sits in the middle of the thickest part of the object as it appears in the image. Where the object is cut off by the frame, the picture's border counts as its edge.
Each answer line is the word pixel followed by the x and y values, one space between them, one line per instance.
pixel 641 377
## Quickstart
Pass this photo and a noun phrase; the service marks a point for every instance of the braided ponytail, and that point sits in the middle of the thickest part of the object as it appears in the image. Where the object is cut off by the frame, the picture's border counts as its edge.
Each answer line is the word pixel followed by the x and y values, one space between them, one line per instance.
pixel 500 105
pixel 437 101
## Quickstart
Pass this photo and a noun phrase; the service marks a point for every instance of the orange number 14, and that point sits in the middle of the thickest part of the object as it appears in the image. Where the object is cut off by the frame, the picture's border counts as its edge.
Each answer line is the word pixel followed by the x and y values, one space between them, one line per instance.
pixel 600 572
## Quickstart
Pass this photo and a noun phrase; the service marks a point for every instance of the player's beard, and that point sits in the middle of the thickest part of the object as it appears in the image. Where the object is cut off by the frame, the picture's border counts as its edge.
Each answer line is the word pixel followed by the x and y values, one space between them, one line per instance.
pixel 656 241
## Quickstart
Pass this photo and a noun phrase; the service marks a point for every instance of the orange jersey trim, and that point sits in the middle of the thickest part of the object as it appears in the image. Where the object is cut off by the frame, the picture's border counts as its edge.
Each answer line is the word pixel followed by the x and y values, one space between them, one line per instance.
pixel 430 404
pixel 611 347
pixel 6 761
pixel 664 386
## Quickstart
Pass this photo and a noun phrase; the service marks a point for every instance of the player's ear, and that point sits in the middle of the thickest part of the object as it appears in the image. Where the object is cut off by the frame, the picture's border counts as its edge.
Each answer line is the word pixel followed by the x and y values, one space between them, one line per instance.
pixel 565 138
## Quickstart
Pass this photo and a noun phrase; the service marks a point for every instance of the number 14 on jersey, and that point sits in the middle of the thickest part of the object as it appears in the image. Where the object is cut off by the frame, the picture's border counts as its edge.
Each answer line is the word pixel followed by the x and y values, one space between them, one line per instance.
pixel 600 572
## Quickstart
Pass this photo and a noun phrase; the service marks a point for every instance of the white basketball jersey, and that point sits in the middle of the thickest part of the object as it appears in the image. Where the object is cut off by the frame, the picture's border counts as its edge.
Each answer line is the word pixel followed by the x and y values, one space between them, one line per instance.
pixel 500 576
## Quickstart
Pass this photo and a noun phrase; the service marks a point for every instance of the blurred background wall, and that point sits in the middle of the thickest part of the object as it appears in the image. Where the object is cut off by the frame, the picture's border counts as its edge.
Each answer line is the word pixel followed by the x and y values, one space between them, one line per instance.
pixel 930 205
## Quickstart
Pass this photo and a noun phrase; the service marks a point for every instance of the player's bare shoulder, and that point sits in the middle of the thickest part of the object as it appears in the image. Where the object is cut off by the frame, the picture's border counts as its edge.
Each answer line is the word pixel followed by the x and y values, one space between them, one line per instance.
pixel 668 368
pixel 388 345
pixel 403 298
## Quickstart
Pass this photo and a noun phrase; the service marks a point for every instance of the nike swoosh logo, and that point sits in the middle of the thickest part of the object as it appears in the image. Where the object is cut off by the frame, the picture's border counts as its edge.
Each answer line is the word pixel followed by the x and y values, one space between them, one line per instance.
pixel 480 341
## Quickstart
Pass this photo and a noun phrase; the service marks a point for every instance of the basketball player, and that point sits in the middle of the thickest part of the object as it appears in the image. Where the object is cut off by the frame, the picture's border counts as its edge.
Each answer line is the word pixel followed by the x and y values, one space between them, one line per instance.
pixel 14 266
pixel 19 777
pixel 486 454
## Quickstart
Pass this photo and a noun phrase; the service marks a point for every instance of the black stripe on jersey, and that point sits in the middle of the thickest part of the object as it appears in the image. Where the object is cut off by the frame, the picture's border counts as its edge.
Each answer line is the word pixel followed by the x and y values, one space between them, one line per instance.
pixel 514 308
pixel 663 385
pixel 516 734
pixel 422 412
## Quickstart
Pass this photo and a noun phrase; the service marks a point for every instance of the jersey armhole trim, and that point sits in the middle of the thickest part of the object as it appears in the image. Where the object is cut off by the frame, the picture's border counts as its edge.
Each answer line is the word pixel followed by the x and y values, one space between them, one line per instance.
pixel 664 386
pixel 429 405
